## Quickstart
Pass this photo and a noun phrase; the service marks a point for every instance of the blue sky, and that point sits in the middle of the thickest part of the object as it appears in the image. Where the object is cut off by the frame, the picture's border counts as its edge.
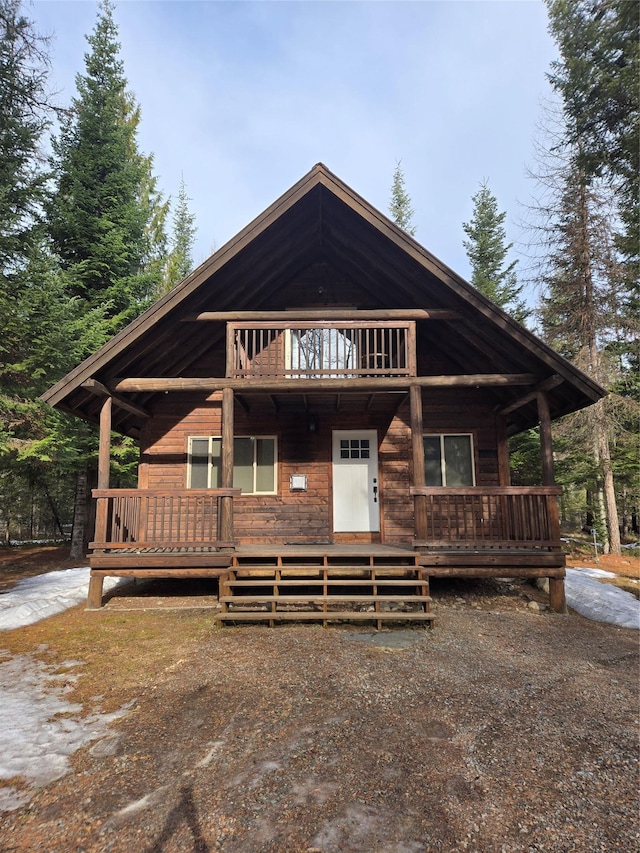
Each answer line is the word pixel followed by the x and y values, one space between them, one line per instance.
pixel 243 98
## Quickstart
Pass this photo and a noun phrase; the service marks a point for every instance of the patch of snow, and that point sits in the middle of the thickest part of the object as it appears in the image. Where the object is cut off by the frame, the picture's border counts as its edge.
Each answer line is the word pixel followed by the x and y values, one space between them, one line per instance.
pixel 39 597
pixel 595 573
pixel 601 602
pixel 40 727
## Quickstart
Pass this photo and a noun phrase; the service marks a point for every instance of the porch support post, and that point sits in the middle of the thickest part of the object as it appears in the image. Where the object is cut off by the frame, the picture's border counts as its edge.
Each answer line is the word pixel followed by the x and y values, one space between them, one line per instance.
pixel 417 446
pixel 546 443
pixel 557 599
pixel 104 456
pixel 225 505
pixel 94 599
pixel 504 466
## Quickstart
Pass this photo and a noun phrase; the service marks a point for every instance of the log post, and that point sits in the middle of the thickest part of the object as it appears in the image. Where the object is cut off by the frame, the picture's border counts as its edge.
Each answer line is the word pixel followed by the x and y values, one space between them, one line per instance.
pixel 225 504
pixel 557 599
pixel 546 442
pixel 504 466
pixel 417 446
pixel 94 598
pixel 104 458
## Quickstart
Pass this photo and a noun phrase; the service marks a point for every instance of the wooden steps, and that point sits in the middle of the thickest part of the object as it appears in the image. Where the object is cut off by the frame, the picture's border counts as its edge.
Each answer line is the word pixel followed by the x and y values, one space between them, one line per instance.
pixel 325 589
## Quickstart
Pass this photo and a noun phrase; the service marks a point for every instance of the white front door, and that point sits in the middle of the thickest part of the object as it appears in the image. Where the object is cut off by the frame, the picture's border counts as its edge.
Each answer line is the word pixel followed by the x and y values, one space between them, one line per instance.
pixel 356 506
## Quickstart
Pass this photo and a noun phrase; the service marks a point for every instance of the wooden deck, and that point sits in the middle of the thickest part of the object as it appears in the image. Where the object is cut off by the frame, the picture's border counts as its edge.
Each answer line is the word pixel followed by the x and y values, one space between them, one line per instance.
pixel 326 582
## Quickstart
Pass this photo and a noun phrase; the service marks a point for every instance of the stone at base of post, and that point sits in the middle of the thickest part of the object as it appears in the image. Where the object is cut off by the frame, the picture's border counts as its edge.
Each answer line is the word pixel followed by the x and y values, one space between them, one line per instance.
pixel 557 599
pixel 94 598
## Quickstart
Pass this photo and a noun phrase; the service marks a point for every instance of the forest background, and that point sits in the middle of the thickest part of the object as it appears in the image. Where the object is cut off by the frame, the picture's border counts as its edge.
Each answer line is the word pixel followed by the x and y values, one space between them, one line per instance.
pixel 88 240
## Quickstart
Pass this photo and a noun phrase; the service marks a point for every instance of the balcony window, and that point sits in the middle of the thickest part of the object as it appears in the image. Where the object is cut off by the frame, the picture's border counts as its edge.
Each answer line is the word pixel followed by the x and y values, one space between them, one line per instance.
pixel 254 464
pixel 448 460
pixel 319 353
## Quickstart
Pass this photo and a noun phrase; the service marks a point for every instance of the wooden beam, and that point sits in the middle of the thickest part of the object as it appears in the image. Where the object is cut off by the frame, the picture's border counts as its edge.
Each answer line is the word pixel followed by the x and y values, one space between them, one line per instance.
pixel 225 515
pixel 299 386
pixel 101 390
pixel 102 505
pixel 557 598
pixel 546 440
pixel 335 314
pixel 504 465
pixel 104 452
pixel 546 385
pixel 417 447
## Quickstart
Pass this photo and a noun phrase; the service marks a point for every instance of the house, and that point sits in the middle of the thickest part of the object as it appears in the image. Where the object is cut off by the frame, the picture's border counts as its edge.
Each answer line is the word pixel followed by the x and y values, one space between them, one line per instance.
pixel 324 401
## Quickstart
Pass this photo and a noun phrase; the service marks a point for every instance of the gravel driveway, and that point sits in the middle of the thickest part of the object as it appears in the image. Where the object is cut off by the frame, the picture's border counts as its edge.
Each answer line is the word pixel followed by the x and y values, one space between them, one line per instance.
pixel 499 730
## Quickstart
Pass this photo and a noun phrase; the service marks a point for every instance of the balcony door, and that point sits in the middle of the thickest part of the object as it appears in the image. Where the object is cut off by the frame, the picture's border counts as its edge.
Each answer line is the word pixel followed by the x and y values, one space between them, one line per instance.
pixel 356 504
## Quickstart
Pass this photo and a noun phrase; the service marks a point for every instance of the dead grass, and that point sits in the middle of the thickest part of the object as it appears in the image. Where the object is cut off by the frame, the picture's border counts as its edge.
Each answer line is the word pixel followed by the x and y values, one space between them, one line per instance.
pixel 122 654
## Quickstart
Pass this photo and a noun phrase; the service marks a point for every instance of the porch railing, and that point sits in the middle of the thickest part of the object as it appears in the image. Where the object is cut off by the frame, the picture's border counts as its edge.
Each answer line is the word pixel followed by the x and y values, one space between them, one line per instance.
pixel 494 516
pixel 321 349
pixel 149 518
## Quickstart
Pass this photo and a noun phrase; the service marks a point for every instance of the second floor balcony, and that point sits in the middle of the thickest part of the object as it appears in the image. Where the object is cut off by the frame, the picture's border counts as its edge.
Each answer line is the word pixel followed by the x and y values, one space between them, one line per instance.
pixel 321 349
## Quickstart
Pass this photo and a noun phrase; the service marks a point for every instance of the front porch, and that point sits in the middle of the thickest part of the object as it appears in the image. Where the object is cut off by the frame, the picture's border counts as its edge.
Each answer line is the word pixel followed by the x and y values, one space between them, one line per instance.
pixel 324 575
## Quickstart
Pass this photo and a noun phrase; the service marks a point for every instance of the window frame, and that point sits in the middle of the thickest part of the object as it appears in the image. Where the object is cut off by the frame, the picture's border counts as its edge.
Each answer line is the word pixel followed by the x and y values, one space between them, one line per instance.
pixel 255 438
pixel 443 465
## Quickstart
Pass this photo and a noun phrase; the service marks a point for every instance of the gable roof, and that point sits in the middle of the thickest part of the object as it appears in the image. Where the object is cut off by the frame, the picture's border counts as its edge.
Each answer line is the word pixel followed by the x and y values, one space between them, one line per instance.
pixel 322 224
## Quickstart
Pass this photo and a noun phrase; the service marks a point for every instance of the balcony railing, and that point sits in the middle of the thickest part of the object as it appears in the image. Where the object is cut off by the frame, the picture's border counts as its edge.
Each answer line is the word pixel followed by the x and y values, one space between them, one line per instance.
pixel 321 350
pixel 150 518
pixel 496 516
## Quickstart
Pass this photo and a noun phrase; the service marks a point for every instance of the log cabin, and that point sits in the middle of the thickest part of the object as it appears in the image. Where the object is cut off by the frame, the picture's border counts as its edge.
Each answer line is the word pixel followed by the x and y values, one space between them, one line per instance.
pixel 322 410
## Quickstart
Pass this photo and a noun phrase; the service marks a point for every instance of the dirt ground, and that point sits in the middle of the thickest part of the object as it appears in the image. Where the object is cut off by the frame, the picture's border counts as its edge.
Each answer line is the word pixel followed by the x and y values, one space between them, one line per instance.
pixel 505 728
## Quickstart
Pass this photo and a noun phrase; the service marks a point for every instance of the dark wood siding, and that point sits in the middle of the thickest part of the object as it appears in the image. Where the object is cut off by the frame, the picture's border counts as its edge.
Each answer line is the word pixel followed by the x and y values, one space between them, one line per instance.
pixel 297 517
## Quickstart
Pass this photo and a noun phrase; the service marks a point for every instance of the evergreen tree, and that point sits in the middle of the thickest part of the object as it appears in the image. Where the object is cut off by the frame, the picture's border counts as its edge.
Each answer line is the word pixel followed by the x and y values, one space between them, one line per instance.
pixel 576 314
pixel 594 299
pixel 106 218
pixel 39 321
pixel 487 251
pixel 400 205
pixel 24 118
pixel 597 78
pixel 184 231
pixel 101 218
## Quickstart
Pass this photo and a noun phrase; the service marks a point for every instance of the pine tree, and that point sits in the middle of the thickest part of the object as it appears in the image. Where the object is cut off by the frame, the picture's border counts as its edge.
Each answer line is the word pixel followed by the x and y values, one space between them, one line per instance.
pixel 577 313
pixel 596 78
pixel 39 320
pixel 184 230
pixel 107 215
pixel 400 205
pixel 101 216
pixel 24 118
pixel 487 251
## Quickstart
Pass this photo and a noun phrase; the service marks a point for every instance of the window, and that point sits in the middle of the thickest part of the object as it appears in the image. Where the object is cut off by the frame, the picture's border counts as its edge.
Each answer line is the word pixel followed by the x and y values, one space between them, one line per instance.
pixel 319 353
pixel 354 448
pixel 254 464
pixel 448 460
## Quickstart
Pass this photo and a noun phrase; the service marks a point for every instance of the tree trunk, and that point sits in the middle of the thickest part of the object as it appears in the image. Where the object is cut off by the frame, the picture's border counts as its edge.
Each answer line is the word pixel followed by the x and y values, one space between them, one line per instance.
pixel 54 510
pixel 604 455
pixel 601 516
pixel 79 516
